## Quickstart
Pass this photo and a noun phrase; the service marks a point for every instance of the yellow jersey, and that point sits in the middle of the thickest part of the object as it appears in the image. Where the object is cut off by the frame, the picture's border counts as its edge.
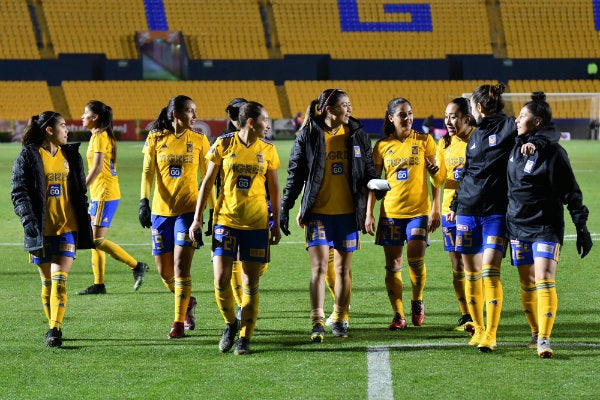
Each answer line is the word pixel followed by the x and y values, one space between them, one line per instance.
pixel 242 200
pixel 404 167
pixel 451 161
pixel 60 217
pixel 106 185
pixel 174 161
pixel 335 196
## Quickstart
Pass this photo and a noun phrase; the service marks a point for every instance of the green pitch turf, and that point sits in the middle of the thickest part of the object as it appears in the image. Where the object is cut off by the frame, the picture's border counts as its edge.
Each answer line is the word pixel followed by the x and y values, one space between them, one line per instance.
pixel 116 348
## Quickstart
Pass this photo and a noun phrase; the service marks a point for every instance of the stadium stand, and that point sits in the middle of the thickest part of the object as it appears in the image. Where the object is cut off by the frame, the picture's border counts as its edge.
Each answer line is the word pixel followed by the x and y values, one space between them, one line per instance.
pixel 144 99
pixel 14 94
pixel 95 27
pixel 550 29
pixel 17 37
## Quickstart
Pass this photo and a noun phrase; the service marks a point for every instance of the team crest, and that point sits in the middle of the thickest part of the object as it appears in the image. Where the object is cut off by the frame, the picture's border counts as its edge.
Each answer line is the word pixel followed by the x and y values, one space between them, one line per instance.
pixel 492 140
pixel 529 166
pixel 260 159
pixel 190 147
pixel 357 151
pixel 66 164
pixel 414 150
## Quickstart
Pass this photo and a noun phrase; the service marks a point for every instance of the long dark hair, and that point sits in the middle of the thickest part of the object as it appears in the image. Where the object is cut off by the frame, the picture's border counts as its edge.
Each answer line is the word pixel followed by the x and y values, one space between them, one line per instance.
pixel 388 126
pixel 233 112
pixel 165 118
pixel 251 109
pixel 35 129
pixel 104 122
pixel 539 107
pixel 316 108
pixel 490 97
pixel 464 107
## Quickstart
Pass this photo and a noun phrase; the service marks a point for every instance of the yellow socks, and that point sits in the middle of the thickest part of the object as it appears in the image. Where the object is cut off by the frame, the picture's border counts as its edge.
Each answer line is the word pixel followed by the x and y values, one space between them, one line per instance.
pixel 393 285
pixel 183 291
pixel 547 305
pixel 474 296
pixel 169 284
pixel 98 266
pixel 115 251
pixel 236 282
pixel 224 298
pixel 418 276
pixel 58 298
pixel 45 295
pixel 492 286
pixel 458 281
pixel 529 301
pixel 251 299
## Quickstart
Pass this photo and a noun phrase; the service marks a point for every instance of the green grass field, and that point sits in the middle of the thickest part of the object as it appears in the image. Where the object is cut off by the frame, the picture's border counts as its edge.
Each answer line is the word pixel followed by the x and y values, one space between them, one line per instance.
pixel 116 344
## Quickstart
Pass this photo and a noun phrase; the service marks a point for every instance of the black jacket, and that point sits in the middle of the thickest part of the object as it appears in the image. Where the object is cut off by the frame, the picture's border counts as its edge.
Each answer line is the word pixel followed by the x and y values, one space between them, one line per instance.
pixel 307 163
pixel 538 186
pixel 483 187
pixel 28 194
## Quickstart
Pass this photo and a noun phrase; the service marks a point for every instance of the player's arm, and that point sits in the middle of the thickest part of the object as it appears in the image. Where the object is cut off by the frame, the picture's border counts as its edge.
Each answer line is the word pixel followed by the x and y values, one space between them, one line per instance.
pixel 204 194
pixel 273 185
pixel 98 162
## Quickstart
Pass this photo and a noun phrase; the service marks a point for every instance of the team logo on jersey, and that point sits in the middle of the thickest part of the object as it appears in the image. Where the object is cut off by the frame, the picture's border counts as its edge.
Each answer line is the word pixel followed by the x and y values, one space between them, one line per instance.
pixel 66 165
pixel 357 151
pixel 260 159
pixel 462 227
pixel 529 166
pixel 492 140
pixel 243 182
pixel 232 155
pixel 190 147
pixel 54 190
pixel 164 146
pixel 337 169
pixel 415 150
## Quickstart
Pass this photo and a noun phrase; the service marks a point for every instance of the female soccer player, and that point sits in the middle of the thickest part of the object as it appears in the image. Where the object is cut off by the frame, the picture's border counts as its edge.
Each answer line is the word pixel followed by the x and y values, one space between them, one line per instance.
pixel 406 215
pixel 450 158
pixel 246 161
pixel 105 193
pixel 173 154
pixel 538 186
pixel 332 161
pixel 49 196
pixel 479 208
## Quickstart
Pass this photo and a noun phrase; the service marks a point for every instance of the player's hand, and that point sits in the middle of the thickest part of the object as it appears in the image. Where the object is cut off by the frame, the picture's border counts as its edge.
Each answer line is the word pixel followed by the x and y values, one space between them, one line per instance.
pixel 434 222
pixel 584 240
pixel 432 168
pixel 528 149
pixel 284 221
pixel 145 214
pixel 209 225
pixel 451 216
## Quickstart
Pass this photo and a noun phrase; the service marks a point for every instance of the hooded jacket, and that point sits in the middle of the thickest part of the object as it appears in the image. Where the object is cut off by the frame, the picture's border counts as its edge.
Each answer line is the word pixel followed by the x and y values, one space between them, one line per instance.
pixel 483 188
pixel 307 164
pixel 538 186
pixel 28 194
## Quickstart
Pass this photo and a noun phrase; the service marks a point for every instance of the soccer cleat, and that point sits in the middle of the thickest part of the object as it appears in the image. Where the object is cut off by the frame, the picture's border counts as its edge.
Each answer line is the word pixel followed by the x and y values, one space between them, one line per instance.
pixel 339 329
pixel 398 323
pixel 487 344
pixel 190 315
pixel 534 341
pixel 418 312
pixel 465 323
pixel 53 338
pixel 138 275
pixel 477 336
pixel 318 333
pixel 94 289
pixel 242 347
pixel 543 348
pixel 226 342
pixel 177 331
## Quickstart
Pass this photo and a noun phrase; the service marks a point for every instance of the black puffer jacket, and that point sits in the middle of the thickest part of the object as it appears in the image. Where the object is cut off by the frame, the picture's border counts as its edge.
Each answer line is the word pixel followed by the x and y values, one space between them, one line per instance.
pixel 483 188
pixel 538 186
pixel 28 194
pixel 307 164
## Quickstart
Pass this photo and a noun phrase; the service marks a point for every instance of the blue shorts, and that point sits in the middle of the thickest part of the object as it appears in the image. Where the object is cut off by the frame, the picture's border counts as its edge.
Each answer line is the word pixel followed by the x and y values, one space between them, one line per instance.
pixel 396 231
pixel 474 234
pixel 102 212
pixel 523 253
pixel 61 245
pixel 449 234
pixel 253 245
pixel 337 231
pixel 170 231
